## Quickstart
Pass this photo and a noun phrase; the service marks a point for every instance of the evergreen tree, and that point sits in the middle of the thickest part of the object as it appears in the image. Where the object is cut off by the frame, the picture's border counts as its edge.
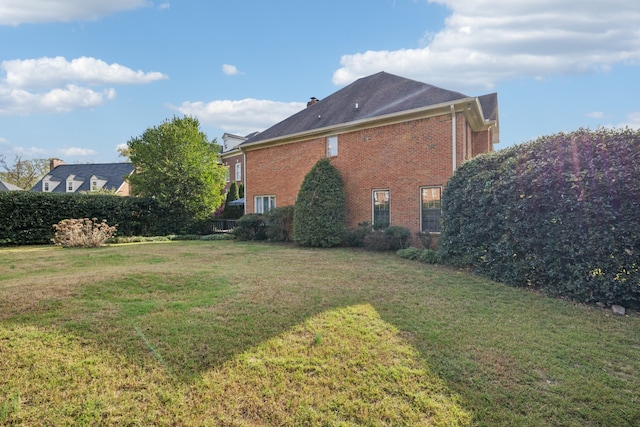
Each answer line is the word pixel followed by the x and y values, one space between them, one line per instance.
pixel 232 212
pixel 320 208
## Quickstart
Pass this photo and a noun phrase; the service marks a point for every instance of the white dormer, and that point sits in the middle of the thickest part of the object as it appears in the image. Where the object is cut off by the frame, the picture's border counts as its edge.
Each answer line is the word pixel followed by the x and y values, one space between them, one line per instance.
pixel 97 183
pixel 73 183
pixel 49 184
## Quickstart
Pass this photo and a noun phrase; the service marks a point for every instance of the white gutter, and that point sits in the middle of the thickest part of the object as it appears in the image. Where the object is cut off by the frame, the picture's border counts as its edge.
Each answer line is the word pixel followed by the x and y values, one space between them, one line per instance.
pixel 244 178
pixel 453 136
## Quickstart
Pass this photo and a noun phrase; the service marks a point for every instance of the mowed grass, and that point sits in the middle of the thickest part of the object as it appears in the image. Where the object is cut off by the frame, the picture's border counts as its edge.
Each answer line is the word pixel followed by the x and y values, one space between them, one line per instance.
pixel 250 334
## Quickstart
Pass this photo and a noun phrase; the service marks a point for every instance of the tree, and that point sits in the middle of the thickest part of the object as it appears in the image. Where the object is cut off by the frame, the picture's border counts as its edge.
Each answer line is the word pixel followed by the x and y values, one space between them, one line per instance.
pixel 319 212
pixel 23 173
pixel 232 212
pixel 177 165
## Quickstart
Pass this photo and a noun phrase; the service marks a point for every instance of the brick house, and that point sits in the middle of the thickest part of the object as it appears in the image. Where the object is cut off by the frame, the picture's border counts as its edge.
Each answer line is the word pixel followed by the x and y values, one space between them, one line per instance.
pixel 395 142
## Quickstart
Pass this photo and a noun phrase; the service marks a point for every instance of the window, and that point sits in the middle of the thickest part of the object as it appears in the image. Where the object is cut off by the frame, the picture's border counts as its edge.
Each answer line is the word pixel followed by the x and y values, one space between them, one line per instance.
pixel 264 204
pixel 226 173
pixel 46 186
pixel 238 171
pixel 332 146
pixel 431 209
pixel 381 211
pixel 94 186
pixel 69 185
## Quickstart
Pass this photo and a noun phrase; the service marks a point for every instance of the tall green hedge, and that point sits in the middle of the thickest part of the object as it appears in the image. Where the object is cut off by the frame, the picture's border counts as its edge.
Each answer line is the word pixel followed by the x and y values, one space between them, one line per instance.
pixel 319 212
pixel 561 214
pixel 28 217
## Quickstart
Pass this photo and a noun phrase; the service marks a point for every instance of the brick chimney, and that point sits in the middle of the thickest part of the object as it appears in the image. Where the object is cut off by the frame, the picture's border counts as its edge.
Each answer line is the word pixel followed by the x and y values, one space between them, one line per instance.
pixel 54 163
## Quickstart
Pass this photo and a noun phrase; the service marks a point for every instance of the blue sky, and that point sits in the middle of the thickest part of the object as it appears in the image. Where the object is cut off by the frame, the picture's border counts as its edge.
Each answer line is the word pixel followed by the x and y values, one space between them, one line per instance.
pixel 78 78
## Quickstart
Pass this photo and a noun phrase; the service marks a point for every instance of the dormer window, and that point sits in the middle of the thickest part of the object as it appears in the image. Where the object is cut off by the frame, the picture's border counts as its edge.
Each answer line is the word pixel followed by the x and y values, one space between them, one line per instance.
pixel 73 184
pixel 48 185
pixel 97 183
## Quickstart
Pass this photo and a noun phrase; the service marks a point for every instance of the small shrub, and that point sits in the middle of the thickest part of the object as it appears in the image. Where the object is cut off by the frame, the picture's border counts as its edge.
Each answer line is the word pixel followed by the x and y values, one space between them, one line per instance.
pixel 398 237
pixel 377 241
pixel 410 253
pixel 426 256
pixel 85 232
pixel 279 223
pixel 425 239
pixel 354 237
pixel 387 239
pixel 250 227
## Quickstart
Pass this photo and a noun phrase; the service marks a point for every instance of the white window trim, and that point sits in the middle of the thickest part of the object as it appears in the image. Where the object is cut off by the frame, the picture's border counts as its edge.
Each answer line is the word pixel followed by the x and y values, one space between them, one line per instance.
pixel 238 171
pixel 329 144
pixel 258 207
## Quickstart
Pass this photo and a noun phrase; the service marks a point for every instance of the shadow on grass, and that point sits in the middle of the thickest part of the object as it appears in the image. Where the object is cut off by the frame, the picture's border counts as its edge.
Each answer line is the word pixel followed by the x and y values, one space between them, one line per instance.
pixel 341 366
pixel 515 358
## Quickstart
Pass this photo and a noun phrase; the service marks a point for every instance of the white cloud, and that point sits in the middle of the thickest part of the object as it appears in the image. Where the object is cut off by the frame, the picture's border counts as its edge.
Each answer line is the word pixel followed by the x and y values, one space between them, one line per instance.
pixel 230 70
pixel 595 115
pixel 77 152
pixel 47 72
pixel 487 41
pixel 55 85
pixel 16 12
pixel 242 116
pixel 633 121
pixel 31 152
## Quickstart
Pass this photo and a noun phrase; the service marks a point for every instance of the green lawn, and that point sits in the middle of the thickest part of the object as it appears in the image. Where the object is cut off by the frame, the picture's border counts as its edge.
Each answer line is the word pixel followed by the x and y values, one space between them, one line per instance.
pixel 249 334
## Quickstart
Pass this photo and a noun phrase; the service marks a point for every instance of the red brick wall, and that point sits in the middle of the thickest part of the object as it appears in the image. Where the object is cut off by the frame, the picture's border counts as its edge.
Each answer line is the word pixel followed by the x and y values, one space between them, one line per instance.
pixel 280 171
pixel 231 162
pixel 399 157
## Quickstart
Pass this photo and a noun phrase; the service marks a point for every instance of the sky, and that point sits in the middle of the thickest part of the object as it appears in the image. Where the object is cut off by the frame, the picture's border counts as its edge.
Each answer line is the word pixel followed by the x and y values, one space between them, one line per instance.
pixel 80 78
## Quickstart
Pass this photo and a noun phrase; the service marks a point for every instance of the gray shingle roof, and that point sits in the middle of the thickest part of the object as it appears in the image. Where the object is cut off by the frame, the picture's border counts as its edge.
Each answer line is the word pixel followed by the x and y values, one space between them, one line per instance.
pixel 373 96
pixel 5 186
pixel 113 173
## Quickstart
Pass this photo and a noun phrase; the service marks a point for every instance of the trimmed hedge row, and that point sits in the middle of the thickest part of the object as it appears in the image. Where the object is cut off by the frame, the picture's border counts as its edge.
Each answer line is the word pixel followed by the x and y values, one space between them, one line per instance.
pixel 28 217
pixel 561 214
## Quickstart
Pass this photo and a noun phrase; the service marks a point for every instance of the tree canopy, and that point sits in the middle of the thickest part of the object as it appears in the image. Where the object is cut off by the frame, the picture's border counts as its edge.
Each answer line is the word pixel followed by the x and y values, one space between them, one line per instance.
pixel 177 164
pixel 23 173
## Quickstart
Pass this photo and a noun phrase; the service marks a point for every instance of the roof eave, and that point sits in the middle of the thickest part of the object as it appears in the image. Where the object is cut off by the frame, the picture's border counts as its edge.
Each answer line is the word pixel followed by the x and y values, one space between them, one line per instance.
pixel 417 113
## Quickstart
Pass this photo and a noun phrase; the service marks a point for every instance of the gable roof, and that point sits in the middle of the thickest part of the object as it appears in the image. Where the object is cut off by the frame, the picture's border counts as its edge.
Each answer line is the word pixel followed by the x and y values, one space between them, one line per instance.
pixel 369 97
pixel 113 173
pixel 5 186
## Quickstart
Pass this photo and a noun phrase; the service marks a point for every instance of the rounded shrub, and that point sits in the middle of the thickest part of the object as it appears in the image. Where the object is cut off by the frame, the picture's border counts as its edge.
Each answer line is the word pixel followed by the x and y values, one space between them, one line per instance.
pixel 250 227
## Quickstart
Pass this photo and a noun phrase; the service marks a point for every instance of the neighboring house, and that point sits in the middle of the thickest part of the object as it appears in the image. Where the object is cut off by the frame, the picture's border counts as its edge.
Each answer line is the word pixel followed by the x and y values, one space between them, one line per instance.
pixel 5 186
pixel 64 178
pixel 395 141
pixel 233 158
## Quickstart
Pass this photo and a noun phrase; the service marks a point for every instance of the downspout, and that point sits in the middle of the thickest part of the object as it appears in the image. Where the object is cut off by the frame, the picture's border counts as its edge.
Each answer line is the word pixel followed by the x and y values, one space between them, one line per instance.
pixel 453 137
pixel 244 178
